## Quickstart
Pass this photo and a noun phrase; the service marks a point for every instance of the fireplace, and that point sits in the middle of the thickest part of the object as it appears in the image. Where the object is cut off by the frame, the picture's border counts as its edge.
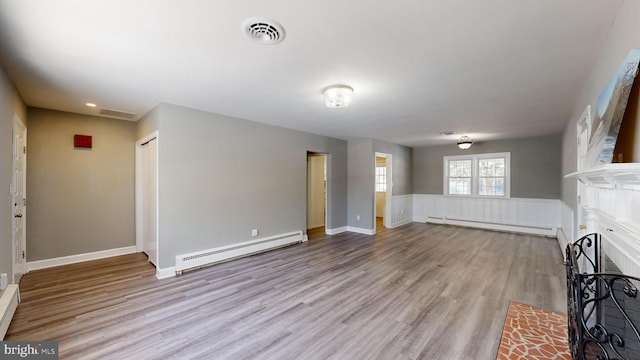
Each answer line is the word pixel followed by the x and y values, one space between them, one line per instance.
pixel 603 305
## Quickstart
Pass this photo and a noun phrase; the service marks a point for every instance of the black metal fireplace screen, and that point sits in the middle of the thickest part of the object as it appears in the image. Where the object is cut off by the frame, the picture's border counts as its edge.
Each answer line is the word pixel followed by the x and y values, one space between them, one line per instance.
pixel 603 307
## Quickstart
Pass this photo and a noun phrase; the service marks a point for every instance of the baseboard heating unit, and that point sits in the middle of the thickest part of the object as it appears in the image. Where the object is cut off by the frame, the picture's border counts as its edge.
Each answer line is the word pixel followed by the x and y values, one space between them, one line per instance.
pixel 203 258
pixel 8 305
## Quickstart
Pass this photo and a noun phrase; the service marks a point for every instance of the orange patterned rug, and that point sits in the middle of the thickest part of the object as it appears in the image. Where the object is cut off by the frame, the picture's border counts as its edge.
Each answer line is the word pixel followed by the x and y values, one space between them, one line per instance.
pixel 533 333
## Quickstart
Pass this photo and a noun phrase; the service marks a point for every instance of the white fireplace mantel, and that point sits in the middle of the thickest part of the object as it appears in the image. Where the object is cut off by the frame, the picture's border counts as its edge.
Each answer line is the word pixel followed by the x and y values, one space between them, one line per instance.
pixel 623 175
pixel 610 205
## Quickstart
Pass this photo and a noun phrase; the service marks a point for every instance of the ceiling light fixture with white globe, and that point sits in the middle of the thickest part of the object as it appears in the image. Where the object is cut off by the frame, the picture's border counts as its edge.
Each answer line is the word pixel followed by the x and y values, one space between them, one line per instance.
pixel 338 96
pixel 465 142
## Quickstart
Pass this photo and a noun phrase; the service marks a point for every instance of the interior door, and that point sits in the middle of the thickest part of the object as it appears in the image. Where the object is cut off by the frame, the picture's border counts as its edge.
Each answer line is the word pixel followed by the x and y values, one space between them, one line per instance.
pixel 18 200
pixel 150 200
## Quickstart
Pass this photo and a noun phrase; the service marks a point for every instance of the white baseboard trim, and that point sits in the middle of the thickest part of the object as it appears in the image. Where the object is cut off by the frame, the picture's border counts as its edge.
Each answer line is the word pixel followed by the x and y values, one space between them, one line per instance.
pixel 400 223
pixel 166 272
pixel 361 230
pixel 72 259
pixel 9 299
pixel 335 231
pixel 357 229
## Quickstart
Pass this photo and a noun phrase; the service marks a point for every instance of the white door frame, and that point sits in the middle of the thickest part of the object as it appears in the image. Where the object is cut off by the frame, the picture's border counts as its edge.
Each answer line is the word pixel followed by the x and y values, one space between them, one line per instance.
pixel 19 268
pixel 139 197
pixel 386 221
pixel 327 187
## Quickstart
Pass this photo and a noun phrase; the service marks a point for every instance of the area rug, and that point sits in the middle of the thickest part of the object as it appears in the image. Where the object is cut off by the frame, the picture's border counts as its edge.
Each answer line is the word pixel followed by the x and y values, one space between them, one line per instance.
pixel 533 333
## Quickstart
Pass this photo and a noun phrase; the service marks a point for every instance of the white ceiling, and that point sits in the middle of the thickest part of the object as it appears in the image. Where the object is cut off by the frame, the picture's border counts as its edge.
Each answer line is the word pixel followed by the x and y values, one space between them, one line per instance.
pixel 487 68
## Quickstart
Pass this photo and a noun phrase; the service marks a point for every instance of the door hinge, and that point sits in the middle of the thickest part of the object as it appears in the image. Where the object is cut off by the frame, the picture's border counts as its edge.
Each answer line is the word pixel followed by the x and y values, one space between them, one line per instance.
pixel 23 254
pixel 24 149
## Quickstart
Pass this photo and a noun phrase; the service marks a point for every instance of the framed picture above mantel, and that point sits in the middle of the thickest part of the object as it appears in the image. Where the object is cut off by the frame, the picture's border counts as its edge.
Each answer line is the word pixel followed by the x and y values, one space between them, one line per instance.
pixel 610 112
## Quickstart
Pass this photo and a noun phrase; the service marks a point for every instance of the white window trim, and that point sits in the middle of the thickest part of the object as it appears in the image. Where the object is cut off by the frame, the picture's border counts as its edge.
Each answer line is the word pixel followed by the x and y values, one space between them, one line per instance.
pixel 474 174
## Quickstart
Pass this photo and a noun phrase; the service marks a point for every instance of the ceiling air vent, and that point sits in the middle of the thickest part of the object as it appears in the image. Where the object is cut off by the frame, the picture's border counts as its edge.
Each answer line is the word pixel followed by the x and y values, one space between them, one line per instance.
pixel 118 114
pixel 263 31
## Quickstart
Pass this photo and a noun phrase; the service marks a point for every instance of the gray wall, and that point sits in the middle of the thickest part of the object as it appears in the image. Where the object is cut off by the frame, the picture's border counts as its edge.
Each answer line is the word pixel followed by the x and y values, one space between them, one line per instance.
pixel 10 103
pixel 79 200
pixel 361 183
pixel 401 167
pixel 220 177
pixel 362 177
pixel 624 36
pixel 149 123
pixel 535 165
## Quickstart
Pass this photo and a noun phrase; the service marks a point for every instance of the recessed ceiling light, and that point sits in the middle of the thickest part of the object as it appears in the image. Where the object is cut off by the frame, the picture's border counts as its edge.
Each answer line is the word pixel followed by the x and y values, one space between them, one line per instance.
pixel 91 105
pixel 263 31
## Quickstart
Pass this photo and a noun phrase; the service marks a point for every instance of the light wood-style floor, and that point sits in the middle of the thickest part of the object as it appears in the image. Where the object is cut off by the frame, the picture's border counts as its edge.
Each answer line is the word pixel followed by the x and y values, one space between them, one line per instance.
pixel 416 292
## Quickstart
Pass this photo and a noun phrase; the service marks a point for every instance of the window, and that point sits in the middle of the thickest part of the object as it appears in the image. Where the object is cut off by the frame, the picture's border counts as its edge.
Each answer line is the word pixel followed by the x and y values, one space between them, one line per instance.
pixel 491 177
pixel 460 177
pixel 477 175
pixel 381 179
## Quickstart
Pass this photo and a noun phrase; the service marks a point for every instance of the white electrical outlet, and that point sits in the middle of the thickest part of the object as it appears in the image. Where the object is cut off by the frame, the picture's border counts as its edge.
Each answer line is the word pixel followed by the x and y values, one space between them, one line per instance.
pixel 357 217
pixel 254 232
pixel 4 281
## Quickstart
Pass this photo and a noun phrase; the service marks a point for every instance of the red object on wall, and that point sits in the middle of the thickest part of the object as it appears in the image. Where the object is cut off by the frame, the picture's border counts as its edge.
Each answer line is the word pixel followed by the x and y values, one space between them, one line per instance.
pixel 82 141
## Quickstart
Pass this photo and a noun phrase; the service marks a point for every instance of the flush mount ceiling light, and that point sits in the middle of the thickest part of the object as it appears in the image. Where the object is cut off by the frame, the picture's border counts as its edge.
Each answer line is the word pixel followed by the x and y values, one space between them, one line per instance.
pixel 263 31
pixel 465 142
pixel 337 96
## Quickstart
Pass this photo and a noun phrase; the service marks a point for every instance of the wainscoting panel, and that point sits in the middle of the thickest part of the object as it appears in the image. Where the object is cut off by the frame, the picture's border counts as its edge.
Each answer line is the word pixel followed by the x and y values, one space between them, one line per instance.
pixel 536 216
pixel 401 210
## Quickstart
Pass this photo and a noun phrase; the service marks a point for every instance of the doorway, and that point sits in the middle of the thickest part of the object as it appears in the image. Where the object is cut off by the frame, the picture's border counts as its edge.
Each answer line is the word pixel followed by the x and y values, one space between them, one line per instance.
pixel 19 200
pixel 316 194
pixel 147 197
pixel 383 191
